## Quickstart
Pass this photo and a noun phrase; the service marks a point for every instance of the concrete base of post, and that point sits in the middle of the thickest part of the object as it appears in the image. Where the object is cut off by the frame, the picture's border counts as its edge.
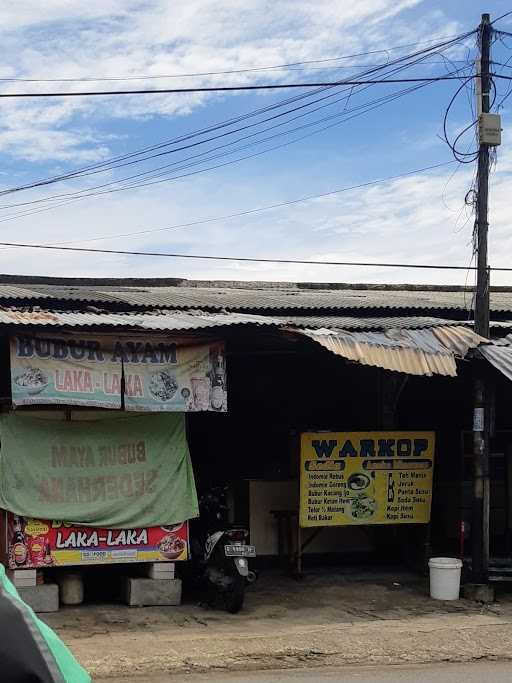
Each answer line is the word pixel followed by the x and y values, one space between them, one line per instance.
pixel 142 592
pixel 44 598
pixel 478 592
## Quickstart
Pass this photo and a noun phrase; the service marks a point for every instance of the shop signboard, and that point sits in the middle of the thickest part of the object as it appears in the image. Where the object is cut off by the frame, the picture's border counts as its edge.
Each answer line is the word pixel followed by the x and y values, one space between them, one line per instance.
pixel 359 478
pixel 34 543
pixel 143 373
pixel 121 471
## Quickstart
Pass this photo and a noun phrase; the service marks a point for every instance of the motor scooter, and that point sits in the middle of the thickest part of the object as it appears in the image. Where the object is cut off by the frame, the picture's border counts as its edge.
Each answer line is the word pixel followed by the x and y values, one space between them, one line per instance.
pixel 220 553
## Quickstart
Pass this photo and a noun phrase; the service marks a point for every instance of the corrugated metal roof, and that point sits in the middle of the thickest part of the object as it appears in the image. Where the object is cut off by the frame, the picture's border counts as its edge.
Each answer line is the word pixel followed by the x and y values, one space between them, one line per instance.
pixel 164 319
pixel 503 341
pixel 371 323
pixel 499 356
pixel 414 352
pixel 157 320
pixel 257 298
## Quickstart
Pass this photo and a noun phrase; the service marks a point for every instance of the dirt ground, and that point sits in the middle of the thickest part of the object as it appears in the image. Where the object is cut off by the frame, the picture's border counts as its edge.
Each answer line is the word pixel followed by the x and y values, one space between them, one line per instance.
pixel 325 619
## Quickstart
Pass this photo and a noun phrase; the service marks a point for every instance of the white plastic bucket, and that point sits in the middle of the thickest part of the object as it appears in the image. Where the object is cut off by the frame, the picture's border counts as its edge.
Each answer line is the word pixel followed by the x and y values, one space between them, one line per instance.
pixel 444 578
pixel 71 589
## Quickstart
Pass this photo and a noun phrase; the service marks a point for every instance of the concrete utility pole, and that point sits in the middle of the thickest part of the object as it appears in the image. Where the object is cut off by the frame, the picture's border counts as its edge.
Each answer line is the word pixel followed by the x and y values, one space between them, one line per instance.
pixel 480 518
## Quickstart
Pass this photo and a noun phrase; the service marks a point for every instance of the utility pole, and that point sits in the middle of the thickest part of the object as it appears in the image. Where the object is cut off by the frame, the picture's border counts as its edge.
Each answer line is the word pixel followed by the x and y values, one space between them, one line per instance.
pixel 480 518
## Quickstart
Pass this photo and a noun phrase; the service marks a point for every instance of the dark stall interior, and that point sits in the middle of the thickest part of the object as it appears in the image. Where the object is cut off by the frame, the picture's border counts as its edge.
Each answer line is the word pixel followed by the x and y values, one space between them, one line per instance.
pixel 297 386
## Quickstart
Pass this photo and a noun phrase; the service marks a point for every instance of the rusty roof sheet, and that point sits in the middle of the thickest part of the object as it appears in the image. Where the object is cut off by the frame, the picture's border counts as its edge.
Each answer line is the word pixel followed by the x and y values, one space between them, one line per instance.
pixel 258 297
pixel 156 320
pixel 169 320
pixel 414 352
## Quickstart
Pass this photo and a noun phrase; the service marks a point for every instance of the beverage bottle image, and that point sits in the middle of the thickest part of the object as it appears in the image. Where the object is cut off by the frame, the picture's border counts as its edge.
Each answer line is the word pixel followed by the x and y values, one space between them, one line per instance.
pixel 391 488
pixel 217 382
pixel 19 543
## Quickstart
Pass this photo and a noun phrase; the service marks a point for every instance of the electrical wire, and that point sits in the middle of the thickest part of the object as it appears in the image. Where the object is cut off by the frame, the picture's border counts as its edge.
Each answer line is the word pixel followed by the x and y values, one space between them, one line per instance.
pixel 220 88
pixel 501 76
pixel 222 135
pixel 91 191
pixel 270 207
pixel 507 14
pixel 305 65
pixel 137 155
pixel 244 259
pixel 109 163
pixel 462 157
pixel 83 194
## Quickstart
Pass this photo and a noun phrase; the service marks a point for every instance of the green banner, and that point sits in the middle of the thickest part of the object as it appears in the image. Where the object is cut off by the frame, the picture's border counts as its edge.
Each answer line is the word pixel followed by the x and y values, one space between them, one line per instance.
pixel 118 472
pixel 52 648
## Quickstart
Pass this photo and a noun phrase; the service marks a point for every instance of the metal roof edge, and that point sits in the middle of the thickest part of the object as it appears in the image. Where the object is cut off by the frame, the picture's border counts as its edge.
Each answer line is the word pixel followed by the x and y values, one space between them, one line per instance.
pixel 236 284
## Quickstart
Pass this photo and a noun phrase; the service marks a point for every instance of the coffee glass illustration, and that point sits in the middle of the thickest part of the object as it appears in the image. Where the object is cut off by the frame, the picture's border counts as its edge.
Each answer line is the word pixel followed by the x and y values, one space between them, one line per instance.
pixel 201 392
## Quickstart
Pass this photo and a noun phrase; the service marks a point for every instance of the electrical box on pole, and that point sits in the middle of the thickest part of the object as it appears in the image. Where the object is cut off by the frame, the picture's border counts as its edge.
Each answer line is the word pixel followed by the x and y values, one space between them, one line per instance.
pixel 489 129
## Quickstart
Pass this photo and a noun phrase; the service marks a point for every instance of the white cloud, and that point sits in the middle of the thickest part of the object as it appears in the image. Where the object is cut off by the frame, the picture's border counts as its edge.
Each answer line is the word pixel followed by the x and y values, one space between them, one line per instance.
pixel 404 220
pixel 401 221
pixel 70 38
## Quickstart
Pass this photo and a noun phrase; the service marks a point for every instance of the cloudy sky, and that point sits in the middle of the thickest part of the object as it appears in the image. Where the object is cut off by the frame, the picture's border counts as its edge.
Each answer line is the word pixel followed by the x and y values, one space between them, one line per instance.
pixel 337 139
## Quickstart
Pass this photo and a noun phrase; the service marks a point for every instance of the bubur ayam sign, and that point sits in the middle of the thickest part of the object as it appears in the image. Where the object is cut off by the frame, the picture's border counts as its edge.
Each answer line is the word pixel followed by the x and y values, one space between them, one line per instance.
pixel 350 478
pixel 153 374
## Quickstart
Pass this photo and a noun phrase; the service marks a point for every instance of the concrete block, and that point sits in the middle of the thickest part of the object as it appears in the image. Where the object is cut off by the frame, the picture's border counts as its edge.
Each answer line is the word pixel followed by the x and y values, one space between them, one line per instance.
pixel 44 598
pixel 478 592
pixel 160 570
pixel 22 577
pixel 144 592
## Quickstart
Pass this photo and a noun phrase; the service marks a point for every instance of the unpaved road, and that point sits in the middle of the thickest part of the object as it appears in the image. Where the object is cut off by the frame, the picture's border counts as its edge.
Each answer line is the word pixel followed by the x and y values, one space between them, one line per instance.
pixel 327 622
pixel 491 672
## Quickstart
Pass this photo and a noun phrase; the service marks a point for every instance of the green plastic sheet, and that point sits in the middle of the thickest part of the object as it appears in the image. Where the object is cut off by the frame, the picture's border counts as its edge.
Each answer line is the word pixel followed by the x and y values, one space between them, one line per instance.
pixel 117 472
pixel 69 668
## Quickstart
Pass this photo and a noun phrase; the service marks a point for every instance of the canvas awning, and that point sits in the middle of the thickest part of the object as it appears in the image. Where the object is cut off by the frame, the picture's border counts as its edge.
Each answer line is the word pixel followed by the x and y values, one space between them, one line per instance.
pixel 423 352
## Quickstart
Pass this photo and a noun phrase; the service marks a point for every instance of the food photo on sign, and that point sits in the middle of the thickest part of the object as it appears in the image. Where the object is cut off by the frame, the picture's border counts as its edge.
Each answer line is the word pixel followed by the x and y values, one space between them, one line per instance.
pixel 36 543
pixel 349 478
pixel 149 374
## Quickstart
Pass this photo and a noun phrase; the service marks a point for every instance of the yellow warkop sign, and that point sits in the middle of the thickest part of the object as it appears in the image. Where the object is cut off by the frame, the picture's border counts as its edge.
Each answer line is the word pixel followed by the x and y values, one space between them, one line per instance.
pixel 365 478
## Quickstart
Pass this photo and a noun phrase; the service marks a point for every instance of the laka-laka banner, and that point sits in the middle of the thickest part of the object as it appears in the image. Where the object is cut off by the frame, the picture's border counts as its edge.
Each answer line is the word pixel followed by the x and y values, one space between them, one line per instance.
pixel 148 373
pixel 35 543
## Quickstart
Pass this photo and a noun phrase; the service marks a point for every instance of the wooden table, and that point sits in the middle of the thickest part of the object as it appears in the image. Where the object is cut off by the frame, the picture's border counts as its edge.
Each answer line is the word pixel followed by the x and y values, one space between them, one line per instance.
pixel 290 553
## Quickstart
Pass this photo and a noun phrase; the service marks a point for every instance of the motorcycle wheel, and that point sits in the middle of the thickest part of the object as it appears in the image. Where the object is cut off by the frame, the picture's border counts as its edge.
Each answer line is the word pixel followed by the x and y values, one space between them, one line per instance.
pixel 234 596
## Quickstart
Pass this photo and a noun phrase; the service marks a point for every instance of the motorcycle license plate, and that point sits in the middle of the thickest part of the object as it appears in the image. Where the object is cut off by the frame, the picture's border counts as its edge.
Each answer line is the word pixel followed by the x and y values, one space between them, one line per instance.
pixel 240 550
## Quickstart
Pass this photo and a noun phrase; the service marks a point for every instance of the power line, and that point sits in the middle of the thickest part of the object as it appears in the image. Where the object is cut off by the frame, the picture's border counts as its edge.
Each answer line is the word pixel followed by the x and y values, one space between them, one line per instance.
pixel 269 207
pixel 305 64
pixel 221 135
pixel 501 76
pixel 308 66
pixel 83 194
pixel 225 88
pixel 244 259
pixel 199 143
pixel 417 57
pixel 507 14
pixel 97 190
pixel 290 66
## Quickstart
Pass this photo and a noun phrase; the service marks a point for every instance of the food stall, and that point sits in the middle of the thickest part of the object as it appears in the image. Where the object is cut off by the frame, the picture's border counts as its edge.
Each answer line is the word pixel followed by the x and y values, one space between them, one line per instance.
pixel 95 465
